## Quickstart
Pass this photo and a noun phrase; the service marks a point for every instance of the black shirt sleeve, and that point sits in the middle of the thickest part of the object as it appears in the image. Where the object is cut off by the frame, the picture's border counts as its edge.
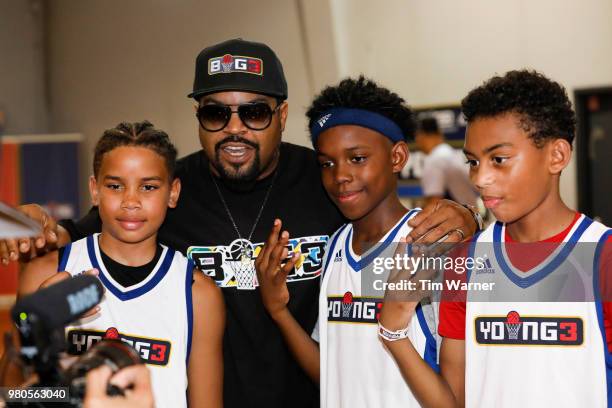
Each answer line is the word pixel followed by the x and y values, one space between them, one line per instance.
pixel 86 226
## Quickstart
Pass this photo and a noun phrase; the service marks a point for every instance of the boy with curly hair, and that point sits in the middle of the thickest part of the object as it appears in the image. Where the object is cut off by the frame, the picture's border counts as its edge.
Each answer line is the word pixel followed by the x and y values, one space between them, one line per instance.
pixel 534 341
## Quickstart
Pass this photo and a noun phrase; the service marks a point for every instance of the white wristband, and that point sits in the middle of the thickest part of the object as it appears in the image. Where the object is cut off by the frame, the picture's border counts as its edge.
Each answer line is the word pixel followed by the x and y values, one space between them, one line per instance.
pixel 390 335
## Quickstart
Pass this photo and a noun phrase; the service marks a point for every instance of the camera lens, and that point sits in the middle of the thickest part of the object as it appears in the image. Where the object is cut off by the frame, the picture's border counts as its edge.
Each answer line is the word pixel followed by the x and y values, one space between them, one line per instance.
pixel 113 353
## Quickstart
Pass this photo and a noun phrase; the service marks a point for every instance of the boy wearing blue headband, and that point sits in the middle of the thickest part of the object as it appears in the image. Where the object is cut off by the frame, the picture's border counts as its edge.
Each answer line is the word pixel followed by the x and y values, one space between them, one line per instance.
pixel 358 130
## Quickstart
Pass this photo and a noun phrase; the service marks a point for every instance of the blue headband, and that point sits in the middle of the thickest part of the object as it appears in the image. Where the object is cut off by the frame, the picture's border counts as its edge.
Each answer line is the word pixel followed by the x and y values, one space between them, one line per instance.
pixel 358 117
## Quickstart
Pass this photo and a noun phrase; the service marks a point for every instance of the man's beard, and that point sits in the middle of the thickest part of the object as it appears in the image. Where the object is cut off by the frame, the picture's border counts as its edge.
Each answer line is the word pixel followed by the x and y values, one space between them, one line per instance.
pixel 237 177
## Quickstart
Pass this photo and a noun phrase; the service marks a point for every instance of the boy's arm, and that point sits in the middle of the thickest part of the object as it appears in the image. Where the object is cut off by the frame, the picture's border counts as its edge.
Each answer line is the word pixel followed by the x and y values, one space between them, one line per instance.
pixel 272 279
pixel 303 348
pixel 37 271
pixel 452 367
pixel 429 388
pixel 205 370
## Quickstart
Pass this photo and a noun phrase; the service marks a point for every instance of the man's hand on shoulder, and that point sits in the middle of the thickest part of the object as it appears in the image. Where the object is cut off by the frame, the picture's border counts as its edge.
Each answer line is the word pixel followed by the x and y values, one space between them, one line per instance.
pixel 442 219
pixel 25 249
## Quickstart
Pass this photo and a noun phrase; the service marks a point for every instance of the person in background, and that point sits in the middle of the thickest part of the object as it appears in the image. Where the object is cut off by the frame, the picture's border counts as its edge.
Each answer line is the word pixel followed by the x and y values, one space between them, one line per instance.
pixel 445 173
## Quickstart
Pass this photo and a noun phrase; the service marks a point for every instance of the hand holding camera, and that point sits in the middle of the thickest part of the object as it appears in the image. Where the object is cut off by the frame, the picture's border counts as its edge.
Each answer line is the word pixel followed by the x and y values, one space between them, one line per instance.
pixel 40 319
pixel 134 380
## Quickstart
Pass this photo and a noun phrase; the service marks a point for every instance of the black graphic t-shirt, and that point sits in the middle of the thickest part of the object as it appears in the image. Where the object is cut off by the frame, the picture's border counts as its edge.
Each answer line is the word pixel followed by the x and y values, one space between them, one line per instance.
pixel 259 369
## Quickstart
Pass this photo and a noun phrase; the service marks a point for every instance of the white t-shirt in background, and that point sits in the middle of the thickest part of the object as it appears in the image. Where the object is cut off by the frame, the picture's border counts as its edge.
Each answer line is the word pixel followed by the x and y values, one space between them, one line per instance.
pixel 445 172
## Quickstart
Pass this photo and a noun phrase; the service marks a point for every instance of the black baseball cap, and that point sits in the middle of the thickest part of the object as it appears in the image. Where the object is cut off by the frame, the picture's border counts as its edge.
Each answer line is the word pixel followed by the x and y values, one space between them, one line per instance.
pixel 239 65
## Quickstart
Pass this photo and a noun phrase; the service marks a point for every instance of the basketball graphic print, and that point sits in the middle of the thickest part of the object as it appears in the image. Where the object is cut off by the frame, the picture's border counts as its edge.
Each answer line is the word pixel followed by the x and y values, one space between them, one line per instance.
pixel 226 63
pixel 513 324
pixel 242 264
pixel 347 304
pixel 111 333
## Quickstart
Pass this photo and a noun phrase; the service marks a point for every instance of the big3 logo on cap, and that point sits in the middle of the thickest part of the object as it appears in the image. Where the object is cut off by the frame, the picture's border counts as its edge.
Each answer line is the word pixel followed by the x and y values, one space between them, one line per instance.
pixel 235 63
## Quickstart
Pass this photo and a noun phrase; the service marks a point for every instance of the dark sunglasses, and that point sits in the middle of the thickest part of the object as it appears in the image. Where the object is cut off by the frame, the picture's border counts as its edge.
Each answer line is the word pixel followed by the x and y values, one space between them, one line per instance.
pixel 255 116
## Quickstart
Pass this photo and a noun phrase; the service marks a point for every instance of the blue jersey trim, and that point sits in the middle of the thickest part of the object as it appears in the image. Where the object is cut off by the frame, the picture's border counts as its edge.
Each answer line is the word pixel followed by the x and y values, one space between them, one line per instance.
pixel 431 347
pixel 189 303
pixel 134 293
pixel 64 261
pixel 548 267
pixel 356 265
pixel 600 315
pixel 332 247
pixel 471 250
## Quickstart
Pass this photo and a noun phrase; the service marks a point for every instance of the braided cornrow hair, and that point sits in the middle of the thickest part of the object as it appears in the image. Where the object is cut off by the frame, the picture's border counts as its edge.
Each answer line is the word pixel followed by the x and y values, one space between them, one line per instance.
pixel 141 134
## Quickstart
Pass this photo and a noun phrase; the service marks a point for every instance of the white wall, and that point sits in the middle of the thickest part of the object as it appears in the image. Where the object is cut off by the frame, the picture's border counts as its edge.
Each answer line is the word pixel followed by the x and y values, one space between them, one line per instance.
pixel 435 51
pixel 22 67
pixel 113 61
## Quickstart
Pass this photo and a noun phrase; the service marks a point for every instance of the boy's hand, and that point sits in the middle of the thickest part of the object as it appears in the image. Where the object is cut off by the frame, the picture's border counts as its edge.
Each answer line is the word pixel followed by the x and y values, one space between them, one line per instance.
pixel 440 219
pixel 272 276
pixel 399 305
pixel 60 276
pixel 27 248
pixel 135 380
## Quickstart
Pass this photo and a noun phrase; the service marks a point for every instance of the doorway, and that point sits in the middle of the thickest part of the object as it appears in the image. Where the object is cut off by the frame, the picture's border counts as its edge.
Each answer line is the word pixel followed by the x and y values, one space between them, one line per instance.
pixel 594 152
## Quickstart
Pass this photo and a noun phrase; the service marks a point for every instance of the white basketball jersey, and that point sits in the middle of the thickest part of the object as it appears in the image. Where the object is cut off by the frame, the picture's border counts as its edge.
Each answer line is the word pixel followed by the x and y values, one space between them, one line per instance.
pixel 153 316
pixel 534 341
pixel 356 369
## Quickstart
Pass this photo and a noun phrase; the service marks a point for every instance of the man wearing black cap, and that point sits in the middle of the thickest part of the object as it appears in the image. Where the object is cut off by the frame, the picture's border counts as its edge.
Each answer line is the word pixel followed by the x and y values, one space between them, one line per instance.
pixel 230 197
pixel 247 178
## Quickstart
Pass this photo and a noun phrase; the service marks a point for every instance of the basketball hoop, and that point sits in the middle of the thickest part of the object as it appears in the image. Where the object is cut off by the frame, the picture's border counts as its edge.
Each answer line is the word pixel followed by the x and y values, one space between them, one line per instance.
pixel 513 324
pixel 347 304
pixel 242 264
pixel 226 63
